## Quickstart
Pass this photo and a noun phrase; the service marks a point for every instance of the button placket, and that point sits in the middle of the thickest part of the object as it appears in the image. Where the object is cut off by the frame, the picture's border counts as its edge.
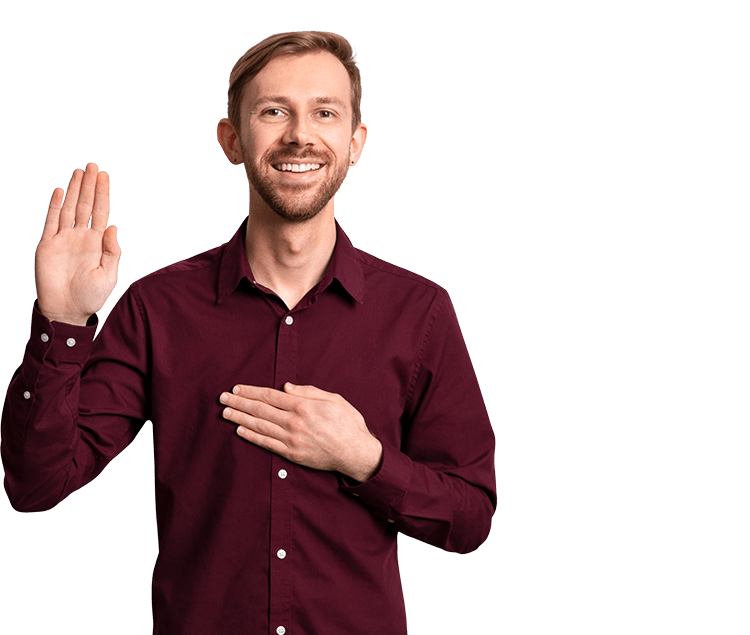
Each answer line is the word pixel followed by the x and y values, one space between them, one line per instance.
pixel 282 491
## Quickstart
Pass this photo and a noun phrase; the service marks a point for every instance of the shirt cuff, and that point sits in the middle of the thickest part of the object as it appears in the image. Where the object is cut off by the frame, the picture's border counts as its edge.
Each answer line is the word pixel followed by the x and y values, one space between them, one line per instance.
pixel 387 486
pixel 58 341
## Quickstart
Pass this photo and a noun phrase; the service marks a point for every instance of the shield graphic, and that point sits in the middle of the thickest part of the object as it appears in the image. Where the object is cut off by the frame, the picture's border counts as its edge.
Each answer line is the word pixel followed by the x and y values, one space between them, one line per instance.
pixel 575 182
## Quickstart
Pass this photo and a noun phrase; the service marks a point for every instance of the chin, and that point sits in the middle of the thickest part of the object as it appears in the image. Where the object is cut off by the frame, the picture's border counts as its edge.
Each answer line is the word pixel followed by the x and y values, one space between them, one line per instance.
pixel 299 205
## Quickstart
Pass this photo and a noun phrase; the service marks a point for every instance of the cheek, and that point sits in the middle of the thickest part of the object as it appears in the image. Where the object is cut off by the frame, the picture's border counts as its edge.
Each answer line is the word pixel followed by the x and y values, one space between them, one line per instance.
pixel 255 142
pixel 341 148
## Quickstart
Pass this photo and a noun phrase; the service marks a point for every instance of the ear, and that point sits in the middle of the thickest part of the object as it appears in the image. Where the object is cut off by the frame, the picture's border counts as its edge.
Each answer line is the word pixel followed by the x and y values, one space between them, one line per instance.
pixel 229 141
pixel 357 143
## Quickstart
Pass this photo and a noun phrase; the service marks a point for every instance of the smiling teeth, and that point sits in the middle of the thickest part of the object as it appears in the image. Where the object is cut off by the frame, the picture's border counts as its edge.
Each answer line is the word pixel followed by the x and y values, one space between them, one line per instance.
pixel 297 167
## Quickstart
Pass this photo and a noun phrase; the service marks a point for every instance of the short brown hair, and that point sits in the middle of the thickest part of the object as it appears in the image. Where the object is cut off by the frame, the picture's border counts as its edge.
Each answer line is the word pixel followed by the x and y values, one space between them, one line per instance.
pixel 295 43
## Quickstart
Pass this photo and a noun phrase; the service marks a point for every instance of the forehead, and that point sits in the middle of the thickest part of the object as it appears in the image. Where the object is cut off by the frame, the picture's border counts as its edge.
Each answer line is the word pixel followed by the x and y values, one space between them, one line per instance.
pixel 305 77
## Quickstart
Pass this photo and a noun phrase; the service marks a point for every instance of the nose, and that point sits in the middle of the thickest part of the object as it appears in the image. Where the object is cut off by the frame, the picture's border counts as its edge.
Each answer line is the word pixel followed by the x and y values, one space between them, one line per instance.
pixel 299 132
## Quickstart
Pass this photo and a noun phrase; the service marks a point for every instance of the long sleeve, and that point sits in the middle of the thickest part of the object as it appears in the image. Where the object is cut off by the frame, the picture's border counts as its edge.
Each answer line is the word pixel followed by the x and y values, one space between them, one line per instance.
pixel 72 405
pixel 439 486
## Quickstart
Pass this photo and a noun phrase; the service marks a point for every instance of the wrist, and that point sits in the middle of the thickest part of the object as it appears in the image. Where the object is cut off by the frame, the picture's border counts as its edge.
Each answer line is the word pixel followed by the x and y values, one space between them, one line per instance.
pixel 65 318
pixel 369 462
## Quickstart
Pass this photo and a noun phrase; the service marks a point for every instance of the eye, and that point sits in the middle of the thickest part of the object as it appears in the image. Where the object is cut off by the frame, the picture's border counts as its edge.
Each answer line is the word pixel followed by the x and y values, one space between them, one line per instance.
pixel 326 114
pixel 273 112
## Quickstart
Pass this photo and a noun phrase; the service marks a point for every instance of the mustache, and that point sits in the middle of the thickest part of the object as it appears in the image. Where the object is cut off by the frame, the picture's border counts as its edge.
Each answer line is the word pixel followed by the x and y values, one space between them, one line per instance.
pixel 285 156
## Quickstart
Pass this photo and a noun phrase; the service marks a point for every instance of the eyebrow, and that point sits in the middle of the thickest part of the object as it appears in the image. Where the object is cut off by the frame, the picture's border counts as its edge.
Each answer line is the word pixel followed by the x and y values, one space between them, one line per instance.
pixel 285 101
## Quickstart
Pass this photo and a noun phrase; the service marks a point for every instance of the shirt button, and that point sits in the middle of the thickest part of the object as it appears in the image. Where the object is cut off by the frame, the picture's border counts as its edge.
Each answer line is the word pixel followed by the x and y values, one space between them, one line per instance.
pixel 281 630
pixel 27 395
pixel 70 342
pixel 44 337
pixel 281 554
pixel 282 473
pixel 289 320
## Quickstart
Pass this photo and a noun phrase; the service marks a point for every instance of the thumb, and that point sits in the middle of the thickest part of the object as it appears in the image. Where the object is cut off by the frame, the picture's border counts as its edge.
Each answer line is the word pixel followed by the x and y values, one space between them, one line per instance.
pixel 310 392
pixel 110 250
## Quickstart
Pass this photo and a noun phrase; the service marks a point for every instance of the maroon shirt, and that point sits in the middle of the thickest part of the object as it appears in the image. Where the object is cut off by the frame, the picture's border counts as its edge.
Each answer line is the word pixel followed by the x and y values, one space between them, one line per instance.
pixel 249 542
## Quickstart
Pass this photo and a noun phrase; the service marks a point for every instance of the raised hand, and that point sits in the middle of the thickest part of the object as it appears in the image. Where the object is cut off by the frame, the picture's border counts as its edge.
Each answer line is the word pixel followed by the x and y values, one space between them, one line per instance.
pixel 76 264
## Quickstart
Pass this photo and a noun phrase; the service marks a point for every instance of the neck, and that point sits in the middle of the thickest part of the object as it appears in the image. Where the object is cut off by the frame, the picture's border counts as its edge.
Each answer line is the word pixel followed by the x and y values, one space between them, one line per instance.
pixel 287 257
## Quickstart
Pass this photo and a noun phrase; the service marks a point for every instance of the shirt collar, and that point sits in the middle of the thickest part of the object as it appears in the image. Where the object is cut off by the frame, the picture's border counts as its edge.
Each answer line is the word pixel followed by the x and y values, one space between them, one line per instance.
pixel 345 266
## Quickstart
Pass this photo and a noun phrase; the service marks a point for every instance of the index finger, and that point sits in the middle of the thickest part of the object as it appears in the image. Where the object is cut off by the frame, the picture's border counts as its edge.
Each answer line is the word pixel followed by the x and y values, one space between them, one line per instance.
pixel 270 396
pixel 100 214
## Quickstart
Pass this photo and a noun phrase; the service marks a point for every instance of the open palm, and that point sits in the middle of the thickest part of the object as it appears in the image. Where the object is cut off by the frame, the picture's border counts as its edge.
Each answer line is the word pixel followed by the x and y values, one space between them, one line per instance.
pixel 77 257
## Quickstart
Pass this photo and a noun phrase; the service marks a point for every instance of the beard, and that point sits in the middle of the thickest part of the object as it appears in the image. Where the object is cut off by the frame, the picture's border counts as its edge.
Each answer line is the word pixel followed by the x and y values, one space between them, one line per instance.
pixel 296 202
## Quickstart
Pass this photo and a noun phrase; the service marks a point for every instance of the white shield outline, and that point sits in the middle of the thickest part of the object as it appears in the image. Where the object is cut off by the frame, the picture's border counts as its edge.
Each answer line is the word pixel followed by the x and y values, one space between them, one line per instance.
pixel 739 59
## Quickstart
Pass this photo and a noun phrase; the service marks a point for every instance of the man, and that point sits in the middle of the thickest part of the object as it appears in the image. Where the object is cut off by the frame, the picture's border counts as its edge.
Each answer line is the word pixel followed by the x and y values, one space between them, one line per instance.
pixel 308 401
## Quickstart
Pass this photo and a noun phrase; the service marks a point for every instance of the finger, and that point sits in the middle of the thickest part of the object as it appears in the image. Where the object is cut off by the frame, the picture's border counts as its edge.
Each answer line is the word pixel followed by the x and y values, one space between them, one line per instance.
pixel 52 222
pixel 257 426
pixel 270 396
pixel 100 215
pixel 267 443
pixel 111 252
pixel 256 409
pixel 308 392
pixel 68 212
pixel 86 196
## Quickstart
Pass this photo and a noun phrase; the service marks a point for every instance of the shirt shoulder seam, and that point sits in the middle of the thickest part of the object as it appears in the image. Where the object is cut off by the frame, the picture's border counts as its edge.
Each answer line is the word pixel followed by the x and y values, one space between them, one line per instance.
pixel 174 268
pixel 438 304
pixel 366 260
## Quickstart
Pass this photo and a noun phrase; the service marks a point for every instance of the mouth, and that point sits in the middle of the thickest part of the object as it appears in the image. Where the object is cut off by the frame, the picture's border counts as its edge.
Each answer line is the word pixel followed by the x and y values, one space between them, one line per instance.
pixel 297 167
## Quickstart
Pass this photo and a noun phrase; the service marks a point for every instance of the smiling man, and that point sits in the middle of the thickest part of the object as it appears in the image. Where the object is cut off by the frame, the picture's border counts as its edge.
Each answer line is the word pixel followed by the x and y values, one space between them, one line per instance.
pixel 309 401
